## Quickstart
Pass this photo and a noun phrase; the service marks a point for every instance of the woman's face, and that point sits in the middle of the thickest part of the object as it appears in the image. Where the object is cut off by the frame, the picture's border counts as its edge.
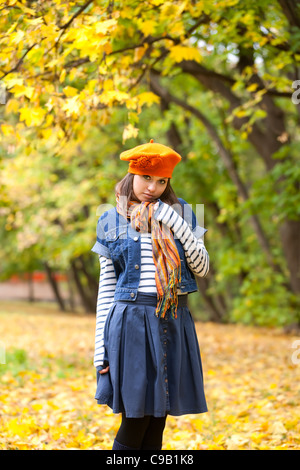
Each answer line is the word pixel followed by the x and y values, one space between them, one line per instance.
pixel 149 188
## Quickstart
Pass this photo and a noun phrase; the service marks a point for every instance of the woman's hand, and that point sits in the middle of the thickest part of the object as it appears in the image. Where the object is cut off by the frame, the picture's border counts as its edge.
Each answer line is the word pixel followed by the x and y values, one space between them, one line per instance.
pixel 104 371
pixel 164 213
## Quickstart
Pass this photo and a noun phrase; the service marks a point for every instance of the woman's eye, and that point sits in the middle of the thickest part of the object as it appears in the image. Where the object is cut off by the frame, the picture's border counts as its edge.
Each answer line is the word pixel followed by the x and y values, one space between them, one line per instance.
pixel 147 177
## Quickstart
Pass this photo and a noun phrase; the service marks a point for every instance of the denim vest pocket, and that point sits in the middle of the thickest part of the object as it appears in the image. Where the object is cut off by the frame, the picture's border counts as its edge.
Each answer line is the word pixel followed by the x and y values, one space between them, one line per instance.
pixel 117 233
pixel 117 243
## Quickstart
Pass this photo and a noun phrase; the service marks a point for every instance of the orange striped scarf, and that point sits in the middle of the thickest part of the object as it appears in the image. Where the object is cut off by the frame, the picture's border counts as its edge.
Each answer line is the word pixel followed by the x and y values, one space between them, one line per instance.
pixel 165 254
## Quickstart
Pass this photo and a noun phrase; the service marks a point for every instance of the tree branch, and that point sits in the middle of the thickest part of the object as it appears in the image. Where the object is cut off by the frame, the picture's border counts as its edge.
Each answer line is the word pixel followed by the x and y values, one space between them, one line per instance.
pixel 291 10
pixel 19 62
pixel 78 12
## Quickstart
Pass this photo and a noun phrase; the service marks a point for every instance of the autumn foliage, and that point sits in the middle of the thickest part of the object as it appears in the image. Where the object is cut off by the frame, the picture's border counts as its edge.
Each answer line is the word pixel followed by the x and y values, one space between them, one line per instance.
pixel 48 385
pixel 218 81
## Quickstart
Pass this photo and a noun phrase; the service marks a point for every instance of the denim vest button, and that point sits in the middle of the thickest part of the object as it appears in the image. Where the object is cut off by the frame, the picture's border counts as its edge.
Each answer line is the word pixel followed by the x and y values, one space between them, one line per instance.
pixel 137 266
pixel 132 294
pixel 136 239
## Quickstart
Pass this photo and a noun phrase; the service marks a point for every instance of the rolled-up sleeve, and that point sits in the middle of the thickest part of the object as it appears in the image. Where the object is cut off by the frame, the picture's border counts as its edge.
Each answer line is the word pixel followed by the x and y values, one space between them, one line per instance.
pixel 100 246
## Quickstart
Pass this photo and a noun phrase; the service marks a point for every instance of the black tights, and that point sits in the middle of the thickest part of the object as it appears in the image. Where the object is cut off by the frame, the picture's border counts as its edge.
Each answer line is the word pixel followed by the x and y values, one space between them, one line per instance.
pixel 141 433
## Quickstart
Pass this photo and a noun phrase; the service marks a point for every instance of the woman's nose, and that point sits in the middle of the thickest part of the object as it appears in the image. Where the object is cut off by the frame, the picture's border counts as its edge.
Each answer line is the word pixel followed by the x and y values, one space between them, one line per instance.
pixel 152 187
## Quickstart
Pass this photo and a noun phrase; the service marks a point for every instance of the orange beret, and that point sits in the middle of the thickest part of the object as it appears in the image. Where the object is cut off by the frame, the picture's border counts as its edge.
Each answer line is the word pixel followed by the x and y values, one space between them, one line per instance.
pixel 151 159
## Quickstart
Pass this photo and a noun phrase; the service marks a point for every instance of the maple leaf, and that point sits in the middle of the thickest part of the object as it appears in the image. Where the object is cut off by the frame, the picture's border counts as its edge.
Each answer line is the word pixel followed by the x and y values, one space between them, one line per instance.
pixel 179 53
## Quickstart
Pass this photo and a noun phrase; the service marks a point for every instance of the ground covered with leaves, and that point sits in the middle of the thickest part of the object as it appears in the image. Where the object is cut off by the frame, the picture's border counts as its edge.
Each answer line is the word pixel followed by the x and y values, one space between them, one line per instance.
pixel 48 383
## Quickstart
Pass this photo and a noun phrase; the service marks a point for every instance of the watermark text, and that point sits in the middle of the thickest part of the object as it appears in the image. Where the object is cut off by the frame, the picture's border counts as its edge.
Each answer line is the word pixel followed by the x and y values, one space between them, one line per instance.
pixel 2 353
pixel 2 94
pixel 296 94
pixel 296 354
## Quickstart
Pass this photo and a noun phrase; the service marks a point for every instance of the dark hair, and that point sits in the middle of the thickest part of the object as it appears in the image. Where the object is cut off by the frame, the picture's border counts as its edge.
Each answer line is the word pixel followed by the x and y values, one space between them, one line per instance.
pixel 125 188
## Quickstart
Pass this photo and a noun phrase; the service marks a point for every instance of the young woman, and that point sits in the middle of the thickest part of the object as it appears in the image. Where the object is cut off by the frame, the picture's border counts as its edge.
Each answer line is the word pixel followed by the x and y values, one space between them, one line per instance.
pixel 146 350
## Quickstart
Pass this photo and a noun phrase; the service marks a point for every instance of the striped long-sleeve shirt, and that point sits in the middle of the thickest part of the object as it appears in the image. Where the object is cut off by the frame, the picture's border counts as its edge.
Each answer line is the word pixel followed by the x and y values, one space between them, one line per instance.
pixel 195 251
pixel 196 256
pixel 106 292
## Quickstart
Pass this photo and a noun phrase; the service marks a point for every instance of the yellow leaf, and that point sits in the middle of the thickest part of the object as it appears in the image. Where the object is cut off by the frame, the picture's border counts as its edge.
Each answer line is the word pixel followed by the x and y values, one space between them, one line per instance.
pixel 107 48
pixel 240 113
pixel 248 18
pixel 139 53
pixel 21 90
pixel 147 27
pixel 252 87
pixel 47 133
pixel 62 75
pixel 91 86
pixel 168 10
pixel 278 428
pixel 10 81
pixel 179 53
pixel 110 97
pixel 108 84
pixel 11 28
pixel 148 98
pixel 72 106
pixel 12 105
pixel 32 116
pixel 27 10
pixel 102 27
pixel 257 437
pixel 213 447
pixel 236 442
pixel 17 37
pixel 129 131
pixel 7 129
pixel 70 91
pixel 37 406
pixel 126 12
pixel 177 29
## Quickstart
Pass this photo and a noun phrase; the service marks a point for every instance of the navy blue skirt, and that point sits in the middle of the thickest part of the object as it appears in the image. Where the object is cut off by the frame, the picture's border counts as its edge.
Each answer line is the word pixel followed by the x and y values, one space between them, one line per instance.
pixel 154 364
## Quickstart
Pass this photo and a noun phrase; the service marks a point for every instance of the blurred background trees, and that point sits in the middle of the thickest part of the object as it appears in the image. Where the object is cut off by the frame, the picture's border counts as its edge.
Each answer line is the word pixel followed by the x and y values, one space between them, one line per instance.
pixel 219 81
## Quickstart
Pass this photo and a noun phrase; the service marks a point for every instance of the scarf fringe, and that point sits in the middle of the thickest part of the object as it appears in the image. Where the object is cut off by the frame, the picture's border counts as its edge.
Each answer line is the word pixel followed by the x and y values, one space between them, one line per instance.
pixel 170 299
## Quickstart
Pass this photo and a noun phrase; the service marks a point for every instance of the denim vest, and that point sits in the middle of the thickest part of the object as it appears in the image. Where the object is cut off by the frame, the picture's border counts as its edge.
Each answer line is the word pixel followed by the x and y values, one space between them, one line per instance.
pixel 116 239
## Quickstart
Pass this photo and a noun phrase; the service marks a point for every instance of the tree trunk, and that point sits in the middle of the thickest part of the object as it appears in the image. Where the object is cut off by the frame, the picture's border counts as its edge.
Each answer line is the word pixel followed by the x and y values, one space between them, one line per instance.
pixel 290 237
pixel 72 302
pixel 30 287
pixel 92 283
pixel 216 307
pixel 291 10
pixel 55 287
pixel 87 303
